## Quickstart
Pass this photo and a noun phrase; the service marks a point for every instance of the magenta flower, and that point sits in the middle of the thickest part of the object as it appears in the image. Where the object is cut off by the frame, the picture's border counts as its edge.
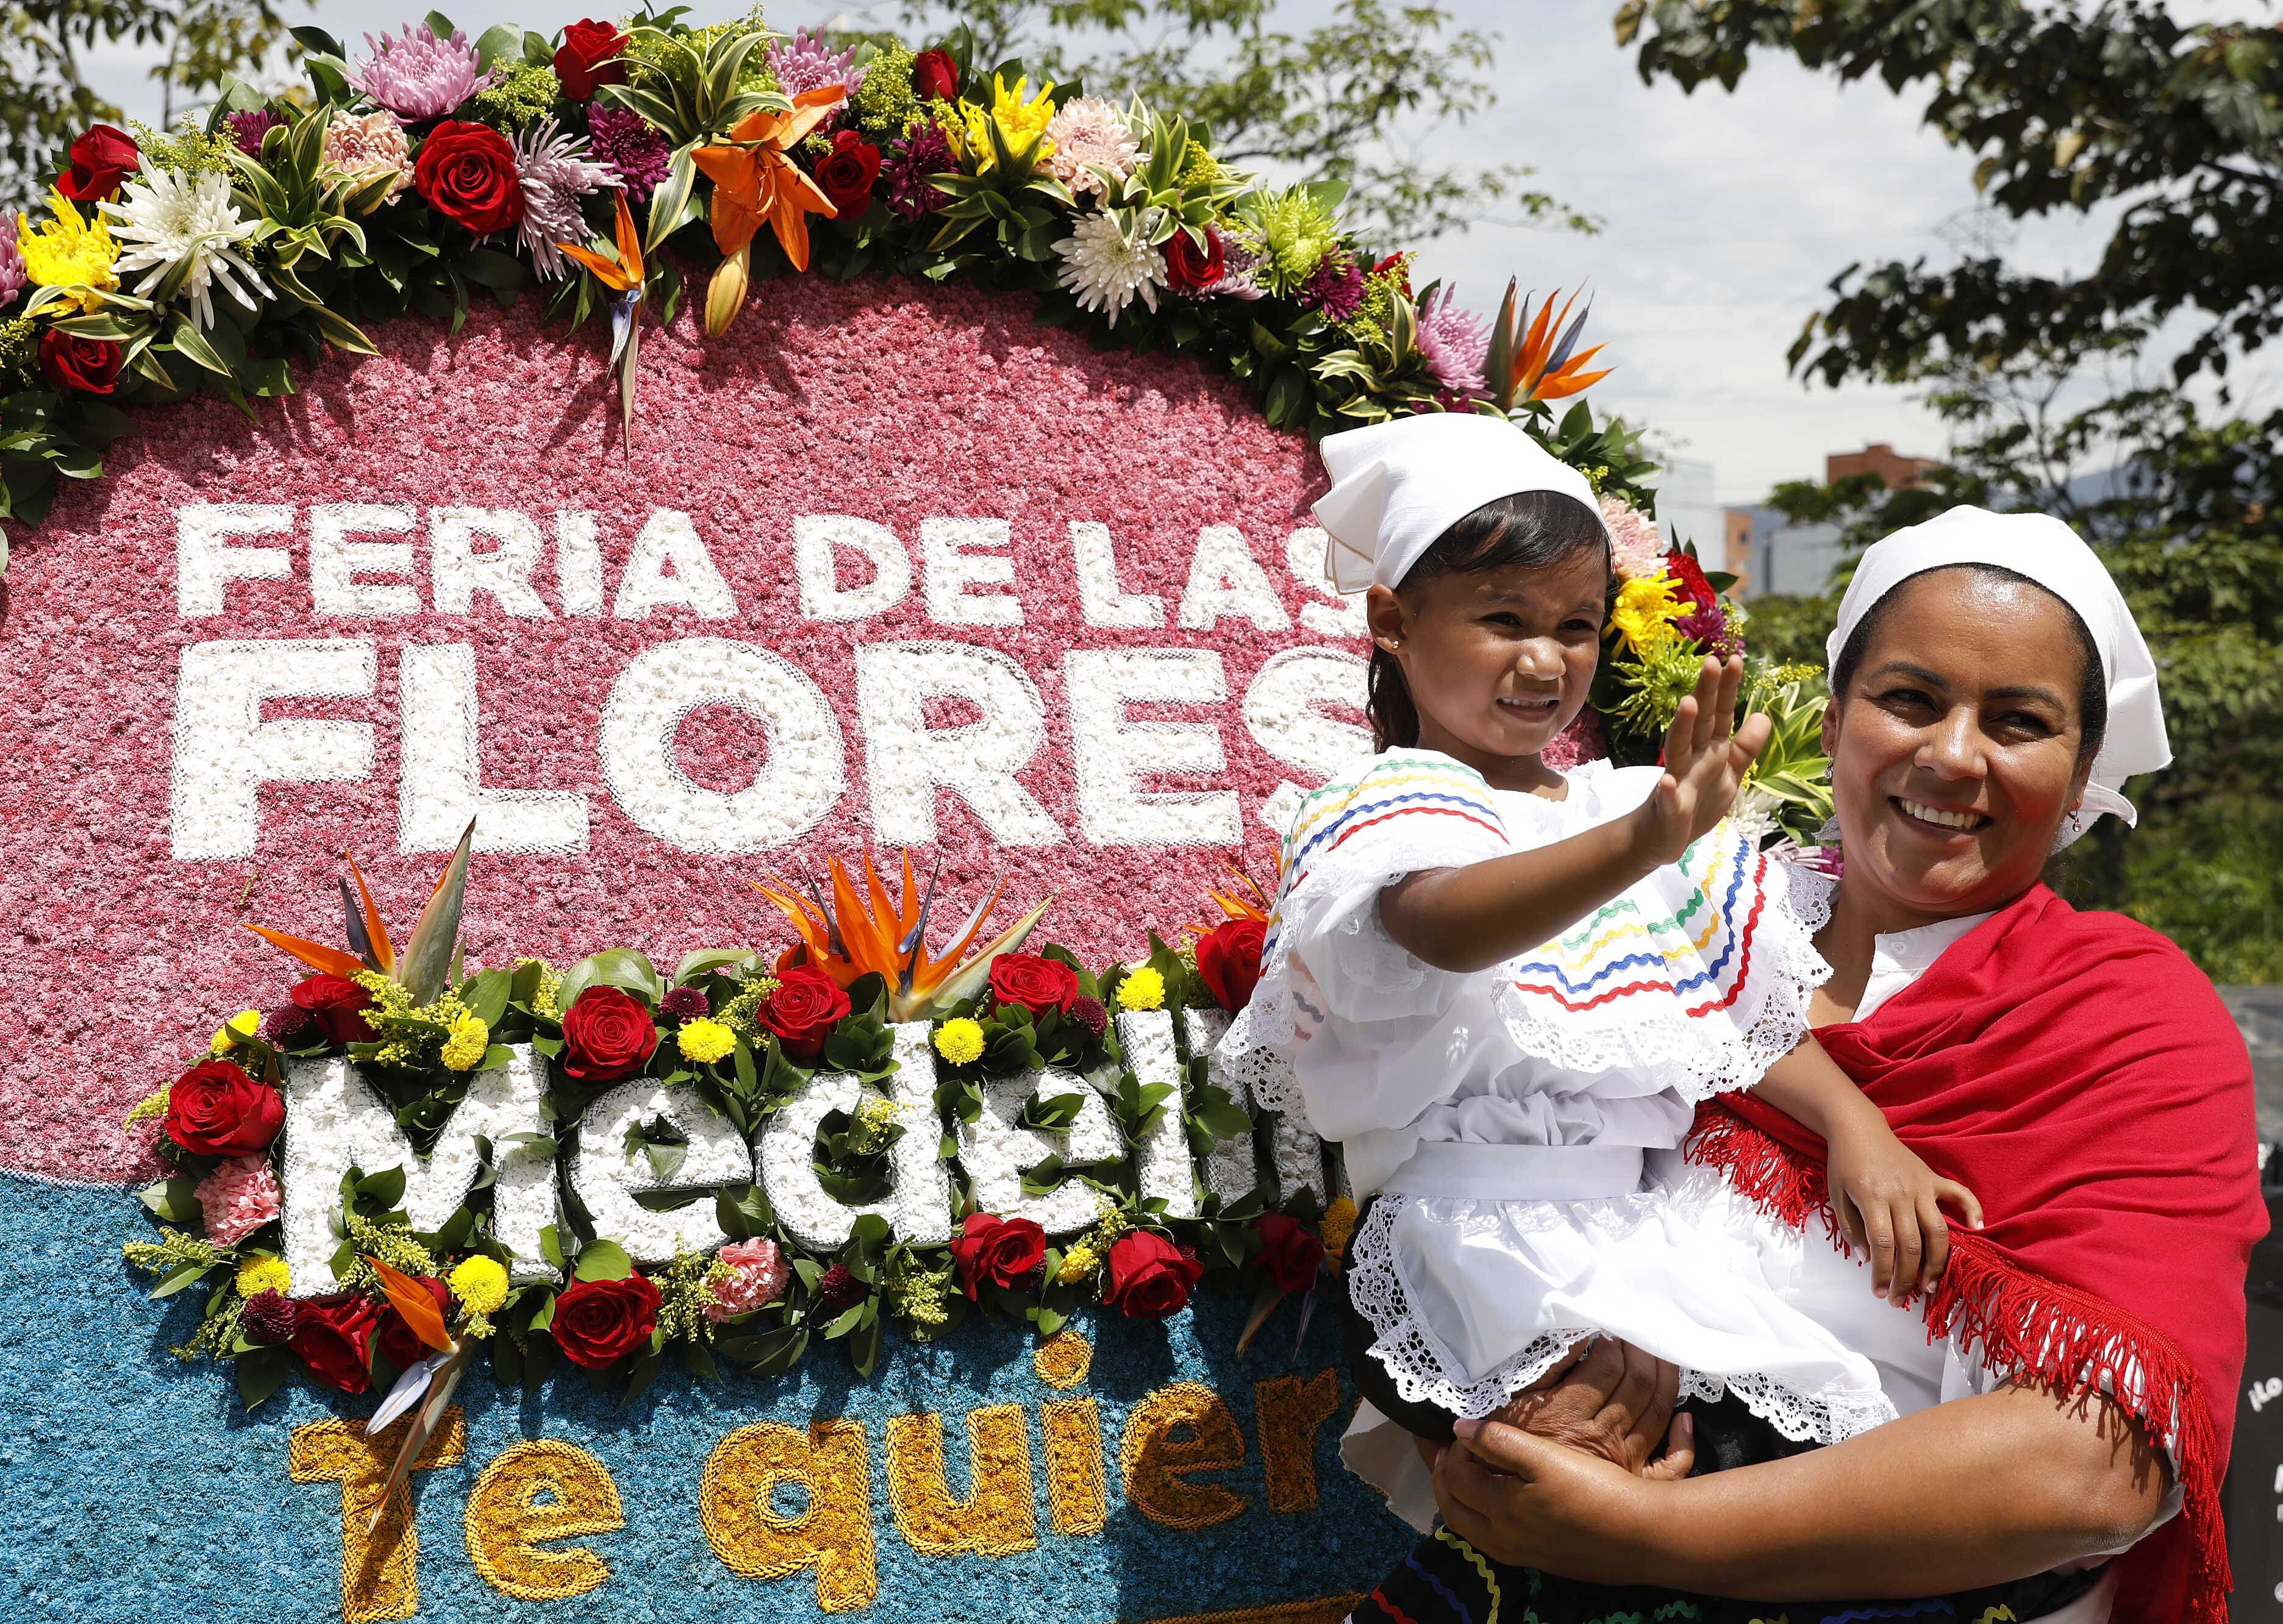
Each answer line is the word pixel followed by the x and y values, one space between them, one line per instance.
pixel 923 152
pixel 625 144
pixel 1335 290
pixel 1454 343
pixel 806 63
pixel 247 128
pixel 12 261
pixel 415 75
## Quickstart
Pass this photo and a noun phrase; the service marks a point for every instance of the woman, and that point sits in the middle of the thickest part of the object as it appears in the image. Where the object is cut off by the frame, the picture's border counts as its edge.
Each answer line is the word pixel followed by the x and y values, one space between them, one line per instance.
pixel 2068 1388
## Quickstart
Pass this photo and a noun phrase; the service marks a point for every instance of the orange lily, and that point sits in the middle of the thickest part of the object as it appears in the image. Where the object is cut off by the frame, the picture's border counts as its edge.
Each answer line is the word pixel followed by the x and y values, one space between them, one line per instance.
pixel 624 277
pixel 866 933
pixel 756 182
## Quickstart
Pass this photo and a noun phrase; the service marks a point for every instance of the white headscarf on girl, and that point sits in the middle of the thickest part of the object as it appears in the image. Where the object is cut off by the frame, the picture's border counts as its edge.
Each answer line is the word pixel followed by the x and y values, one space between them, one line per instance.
pixel 1395 486
pixel 2049 553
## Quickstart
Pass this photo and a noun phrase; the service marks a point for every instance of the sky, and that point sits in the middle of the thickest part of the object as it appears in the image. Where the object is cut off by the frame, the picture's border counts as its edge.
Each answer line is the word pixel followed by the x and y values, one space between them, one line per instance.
pixel 1723 216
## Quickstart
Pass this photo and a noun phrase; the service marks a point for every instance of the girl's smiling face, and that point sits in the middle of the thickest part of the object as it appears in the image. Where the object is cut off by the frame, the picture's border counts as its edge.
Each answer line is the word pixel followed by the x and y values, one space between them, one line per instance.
pixel 1497 661
pixel 1955 750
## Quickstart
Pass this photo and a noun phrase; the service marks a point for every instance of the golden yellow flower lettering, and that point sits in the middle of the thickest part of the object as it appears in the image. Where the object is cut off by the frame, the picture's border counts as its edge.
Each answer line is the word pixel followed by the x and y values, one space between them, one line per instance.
pixel 377 1573
pixel 1000 1515
pixel 1171 1432
pixel 1076 1492
pixel 833 1533
pixel 1290 1412
pixel 506 1520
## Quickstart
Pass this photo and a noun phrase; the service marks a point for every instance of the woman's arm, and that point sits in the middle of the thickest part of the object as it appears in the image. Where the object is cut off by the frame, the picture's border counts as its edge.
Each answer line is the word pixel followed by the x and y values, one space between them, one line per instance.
pixel 1468 918
pixel 1976 1491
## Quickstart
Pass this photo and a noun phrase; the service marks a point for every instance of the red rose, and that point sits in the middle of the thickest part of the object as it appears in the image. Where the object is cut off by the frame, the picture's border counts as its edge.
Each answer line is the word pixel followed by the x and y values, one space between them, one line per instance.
pixel 334 1338
pixel 214 1109
pixel 1288 1251
pixel 847 172
pixel 598 1323
pixel 1189 265
pixel 88 365
pixel 1150 1277
pixel 584 59
pixel 336 1004
pixel 607 1035
pixel 399 1344
pixel 1228 962
pixel 467 173
pixel 935 76
pixel 994 1251
pixel 803 1011
pixel 100 160
pixel 1037 984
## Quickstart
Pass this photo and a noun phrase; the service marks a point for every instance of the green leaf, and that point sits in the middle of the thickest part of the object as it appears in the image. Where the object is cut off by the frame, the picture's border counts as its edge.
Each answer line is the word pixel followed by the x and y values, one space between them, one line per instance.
pixel 618 967
pixel 260 1373
pixel 603 1260
pixel 550 1246
pixel 424 964
pixel 341 333
pixel 192 347
pixel 181 1276
pixel 175 1200
pixel 501 40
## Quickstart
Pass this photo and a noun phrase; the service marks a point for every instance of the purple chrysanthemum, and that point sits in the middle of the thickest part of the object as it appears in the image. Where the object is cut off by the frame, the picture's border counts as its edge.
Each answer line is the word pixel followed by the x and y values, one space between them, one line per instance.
pixel 415 75
pixel 626 145
pixel 247 128
pixel 923 152
pixel 270 1317
pixel 837 1291
pixel 683 1004
pixel 1454 342
pixel 1335 289
pixel 12 261
pixel 806 63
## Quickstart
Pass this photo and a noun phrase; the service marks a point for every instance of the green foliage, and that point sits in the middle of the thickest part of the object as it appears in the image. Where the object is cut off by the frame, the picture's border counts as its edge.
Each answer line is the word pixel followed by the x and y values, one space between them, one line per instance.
pixel 1324 101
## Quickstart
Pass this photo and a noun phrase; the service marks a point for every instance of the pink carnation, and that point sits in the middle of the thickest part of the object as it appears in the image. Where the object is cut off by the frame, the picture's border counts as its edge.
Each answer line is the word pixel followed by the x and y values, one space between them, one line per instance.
pixel 756 1277
pixel 1636 549
pixel 370 146
pixel 1581 742
pixel 415 75
pixel 239 1197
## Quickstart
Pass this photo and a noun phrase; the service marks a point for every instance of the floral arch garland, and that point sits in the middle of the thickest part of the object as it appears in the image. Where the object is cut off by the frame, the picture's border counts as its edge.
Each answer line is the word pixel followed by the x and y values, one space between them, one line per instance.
pixel 403 1160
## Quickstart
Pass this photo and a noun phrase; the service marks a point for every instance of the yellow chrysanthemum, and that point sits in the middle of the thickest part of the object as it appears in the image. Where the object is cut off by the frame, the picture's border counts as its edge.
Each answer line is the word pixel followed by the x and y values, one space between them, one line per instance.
pixel 468 1041
pixel 959 1041
pixel 257 1275
pixel 1645 611
pixel 69 250
pixel 246 1023
pixel 704 1040
pixel 1143 988
pixel 1338 1227
pixel 480 1283
pixel 1019 116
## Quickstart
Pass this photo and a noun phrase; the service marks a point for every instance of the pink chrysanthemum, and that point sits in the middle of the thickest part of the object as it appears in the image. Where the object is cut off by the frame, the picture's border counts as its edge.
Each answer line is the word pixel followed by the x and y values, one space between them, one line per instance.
pixel 757 1272
pixel 1090 131
pixel 247 128
pixel 239 1197
pixel 1636 549
pixel 805 62
pixel 1581 742
pixel 1454 341
pixel 367 145
pixel 923 152
pixel 1239 260
pixel 555 172
pixel 415 75
pixel 1335 289
pixel 12 261
pixel 626 145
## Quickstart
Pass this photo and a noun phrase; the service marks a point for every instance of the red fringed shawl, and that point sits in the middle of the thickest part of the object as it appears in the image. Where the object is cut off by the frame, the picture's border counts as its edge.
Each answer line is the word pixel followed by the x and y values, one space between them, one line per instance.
pixel 2078 1074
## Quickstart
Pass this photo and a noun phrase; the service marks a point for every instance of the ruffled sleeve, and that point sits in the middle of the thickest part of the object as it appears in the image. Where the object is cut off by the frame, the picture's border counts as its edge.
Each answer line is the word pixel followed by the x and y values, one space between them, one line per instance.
pixel 1332 980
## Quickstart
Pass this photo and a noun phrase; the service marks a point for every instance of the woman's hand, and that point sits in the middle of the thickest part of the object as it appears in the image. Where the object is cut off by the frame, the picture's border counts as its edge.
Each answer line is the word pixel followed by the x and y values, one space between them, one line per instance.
pixel 1890 1204
pixel 1610 1400
pixel 1706 756
pixel 1526 1501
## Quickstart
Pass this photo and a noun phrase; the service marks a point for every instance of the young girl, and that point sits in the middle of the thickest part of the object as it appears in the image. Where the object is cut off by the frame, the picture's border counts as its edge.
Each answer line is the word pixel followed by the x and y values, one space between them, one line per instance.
pixel 1503 989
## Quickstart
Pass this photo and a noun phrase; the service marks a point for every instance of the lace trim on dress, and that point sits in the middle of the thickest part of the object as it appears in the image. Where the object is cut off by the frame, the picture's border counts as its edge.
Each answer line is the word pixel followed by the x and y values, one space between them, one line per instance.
pixel 1416 1362
pixel 1699 1059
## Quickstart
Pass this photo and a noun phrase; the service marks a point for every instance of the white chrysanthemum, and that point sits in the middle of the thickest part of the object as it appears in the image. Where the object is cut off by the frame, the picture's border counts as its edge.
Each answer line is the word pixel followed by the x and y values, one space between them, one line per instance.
pixel 555 173
pixel 168 217
pixel 1108 259
pixel 1090 131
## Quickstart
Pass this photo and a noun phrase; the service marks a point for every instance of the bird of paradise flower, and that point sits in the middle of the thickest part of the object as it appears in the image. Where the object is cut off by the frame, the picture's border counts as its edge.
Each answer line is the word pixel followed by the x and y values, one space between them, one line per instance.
pixel 624 278
pixel 1536 358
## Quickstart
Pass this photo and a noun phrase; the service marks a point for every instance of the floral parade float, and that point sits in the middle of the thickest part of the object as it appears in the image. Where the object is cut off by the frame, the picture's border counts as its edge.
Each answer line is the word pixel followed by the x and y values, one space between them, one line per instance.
pixel 974 1089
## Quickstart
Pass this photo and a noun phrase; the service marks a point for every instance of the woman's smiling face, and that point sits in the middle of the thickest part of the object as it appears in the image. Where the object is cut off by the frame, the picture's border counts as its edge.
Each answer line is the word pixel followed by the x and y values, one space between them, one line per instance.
pixel 1955 750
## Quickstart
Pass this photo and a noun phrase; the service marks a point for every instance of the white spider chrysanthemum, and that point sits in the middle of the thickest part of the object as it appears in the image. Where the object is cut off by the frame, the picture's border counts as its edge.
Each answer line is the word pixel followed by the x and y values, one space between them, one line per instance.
pixel 555 171
pixel 1108 259
pixel 169 217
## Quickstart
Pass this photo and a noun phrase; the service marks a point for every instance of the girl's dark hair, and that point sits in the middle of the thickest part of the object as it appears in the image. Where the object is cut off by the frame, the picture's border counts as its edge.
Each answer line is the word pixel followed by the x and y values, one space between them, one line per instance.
pixel 2093 678
pixel 1527 530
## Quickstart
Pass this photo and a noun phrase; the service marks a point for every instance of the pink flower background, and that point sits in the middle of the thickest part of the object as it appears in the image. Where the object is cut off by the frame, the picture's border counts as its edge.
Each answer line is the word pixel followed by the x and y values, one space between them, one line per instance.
pixel 878 399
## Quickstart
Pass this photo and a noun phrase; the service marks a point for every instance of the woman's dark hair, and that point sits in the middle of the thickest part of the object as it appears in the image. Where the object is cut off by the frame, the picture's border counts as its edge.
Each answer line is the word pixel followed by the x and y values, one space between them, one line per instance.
pixel 1527 530
pixel 2093 678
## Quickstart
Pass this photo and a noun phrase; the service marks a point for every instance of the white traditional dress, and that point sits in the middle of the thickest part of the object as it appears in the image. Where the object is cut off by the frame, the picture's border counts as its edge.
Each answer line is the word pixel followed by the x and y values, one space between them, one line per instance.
pixel 1498 1121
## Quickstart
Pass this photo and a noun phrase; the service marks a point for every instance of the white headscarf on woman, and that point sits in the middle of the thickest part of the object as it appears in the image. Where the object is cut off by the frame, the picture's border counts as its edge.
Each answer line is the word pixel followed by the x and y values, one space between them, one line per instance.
pixel 2051 554
pixel 1396 486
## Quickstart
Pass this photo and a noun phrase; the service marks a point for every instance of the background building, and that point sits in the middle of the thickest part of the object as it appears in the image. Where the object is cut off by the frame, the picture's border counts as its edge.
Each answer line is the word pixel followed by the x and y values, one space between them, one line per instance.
pixel 1771 556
